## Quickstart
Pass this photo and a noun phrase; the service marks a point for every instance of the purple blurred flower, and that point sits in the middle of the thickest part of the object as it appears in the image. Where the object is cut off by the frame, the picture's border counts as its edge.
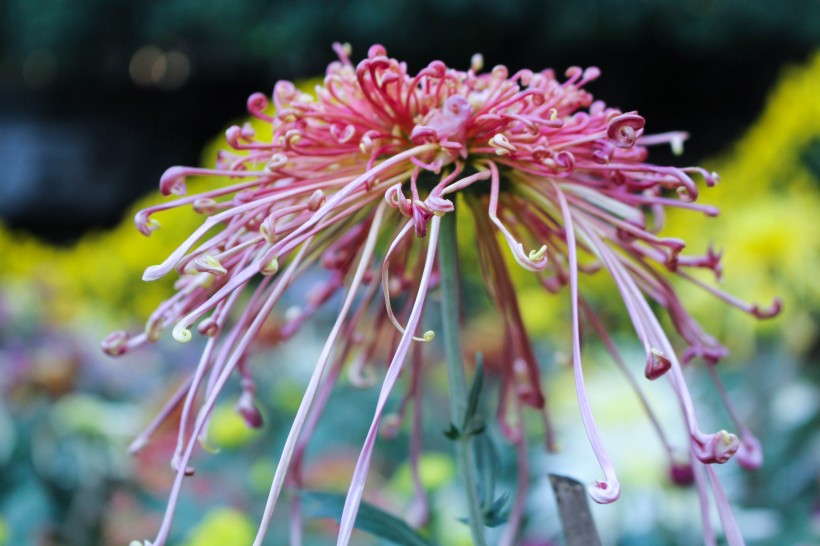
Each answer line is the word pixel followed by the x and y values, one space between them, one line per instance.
pixel 379 153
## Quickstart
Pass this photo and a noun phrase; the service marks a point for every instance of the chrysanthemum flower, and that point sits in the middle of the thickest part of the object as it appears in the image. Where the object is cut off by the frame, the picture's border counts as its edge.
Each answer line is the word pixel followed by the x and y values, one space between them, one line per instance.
pixel 354 182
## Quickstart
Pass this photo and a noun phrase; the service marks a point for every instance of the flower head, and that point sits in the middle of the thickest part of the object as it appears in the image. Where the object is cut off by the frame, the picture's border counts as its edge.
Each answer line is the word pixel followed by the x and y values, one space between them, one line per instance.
pixel 354 180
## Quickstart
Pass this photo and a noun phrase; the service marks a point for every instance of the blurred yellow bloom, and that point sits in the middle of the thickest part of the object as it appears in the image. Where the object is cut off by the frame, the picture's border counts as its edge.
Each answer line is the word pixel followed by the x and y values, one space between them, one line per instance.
pixel 98 272
pixel 220 527
pixel 228 429
pixel 770 182
pixel 435 471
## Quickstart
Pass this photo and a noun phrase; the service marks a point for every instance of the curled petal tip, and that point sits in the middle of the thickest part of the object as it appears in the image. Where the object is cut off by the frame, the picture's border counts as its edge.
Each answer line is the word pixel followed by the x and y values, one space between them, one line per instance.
pixel 657 364
pixel 687 194
pixel 145 224
pixel 173 181
pixel 502 145
pixel 204 205
pixel 249 412
pixel 181 333
pixel 573 72
pixel 604 492
pixel 277 161
pixel 536 262
pixel 437 69
pixel 377 50
pixel 768 312
pixel 536 255
pixel 233 133
pixel 209 327
pixel 532 262
pixel 438 205
pixel 257 103
pixel 623 130
pixel 116 343
pixel 715 448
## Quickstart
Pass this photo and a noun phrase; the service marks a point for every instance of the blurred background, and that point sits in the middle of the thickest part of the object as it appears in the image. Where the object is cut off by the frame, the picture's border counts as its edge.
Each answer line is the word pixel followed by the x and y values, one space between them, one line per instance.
pixel 99 97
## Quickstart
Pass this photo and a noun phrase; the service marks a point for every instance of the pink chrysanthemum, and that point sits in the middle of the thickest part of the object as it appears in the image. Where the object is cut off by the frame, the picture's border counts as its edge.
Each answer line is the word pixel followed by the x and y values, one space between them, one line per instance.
pixel 355 181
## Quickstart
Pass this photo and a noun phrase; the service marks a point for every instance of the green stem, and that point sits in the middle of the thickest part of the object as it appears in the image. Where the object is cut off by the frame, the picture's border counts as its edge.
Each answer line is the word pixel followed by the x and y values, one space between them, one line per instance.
pixel 450 312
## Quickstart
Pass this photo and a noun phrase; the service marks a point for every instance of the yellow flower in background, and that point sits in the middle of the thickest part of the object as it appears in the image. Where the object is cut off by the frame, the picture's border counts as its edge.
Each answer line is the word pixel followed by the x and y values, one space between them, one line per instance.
pixel 220 527
pixel 96 273
pixel 228 430
pixel 771 182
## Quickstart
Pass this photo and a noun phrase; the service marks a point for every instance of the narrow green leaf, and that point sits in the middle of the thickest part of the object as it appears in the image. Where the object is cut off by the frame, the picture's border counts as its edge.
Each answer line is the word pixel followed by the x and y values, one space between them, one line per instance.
pixel 498 513
pixel 370 519
pixel 452 433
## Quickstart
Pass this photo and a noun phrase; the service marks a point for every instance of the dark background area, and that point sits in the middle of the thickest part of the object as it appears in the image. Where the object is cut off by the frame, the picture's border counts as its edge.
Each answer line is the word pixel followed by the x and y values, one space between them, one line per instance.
pixel 98 97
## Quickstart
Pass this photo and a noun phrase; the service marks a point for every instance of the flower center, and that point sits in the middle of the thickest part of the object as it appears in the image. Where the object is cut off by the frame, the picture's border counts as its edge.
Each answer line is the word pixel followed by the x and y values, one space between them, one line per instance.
pixel 448 123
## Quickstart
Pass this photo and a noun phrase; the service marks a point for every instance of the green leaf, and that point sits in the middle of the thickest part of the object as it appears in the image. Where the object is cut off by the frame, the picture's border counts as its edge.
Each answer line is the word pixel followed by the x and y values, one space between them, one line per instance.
pixel 370 519
pixel 452 433
pixel 498 513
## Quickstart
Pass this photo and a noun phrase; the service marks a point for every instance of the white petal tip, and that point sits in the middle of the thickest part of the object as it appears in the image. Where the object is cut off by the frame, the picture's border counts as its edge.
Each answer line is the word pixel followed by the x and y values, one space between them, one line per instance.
pixel 153 273
pixel 604 492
